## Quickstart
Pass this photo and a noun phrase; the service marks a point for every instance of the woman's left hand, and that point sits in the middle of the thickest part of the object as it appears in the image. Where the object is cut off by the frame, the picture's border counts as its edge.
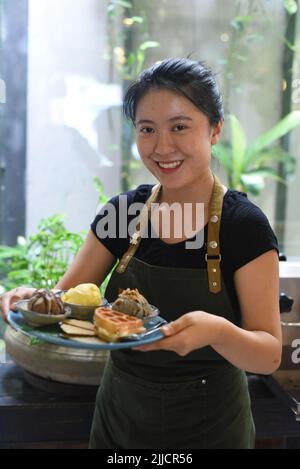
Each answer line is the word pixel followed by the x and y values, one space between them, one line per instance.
pixel 190 332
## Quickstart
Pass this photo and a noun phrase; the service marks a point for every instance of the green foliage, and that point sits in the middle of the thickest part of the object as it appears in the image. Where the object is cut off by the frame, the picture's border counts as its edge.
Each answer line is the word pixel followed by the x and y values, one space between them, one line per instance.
pixel 291 6
pixel 41 260
pixel 135 61
pixel 247 166
pixel 100 189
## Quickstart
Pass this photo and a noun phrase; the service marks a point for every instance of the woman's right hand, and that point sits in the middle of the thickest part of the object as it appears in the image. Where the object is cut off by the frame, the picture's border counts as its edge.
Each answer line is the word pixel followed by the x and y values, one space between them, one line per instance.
pixel 8 299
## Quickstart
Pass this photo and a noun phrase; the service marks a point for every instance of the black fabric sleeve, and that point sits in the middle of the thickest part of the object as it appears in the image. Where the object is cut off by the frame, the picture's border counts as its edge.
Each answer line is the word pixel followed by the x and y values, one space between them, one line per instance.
pixel 105 232
pixel 252 237
pixel 114 239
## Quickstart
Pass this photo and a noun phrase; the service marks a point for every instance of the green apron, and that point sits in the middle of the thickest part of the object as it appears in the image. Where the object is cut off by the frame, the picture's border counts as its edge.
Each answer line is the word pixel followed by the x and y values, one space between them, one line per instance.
pixel 161 400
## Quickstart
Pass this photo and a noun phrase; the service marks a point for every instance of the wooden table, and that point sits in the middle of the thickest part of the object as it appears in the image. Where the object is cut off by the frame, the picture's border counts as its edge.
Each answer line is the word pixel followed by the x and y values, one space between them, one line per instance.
pixel 31 418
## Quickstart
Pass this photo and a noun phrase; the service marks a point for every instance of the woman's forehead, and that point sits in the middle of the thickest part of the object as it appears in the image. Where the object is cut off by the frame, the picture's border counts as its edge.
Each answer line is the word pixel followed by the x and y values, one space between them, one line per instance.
pixel 166 105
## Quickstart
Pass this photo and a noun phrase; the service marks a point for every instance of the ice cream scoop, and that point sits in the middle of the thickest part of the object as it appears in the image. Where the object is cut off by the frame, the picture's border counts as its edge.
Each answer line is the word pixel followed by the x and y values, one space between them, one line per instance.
pixel 85 294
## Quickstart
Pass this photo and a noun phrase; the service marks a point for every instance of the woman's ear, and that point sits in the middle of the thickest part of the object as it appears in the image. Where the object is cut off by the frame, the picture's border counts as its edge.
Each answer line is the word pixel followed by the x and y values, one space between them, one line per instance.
pixel 216 132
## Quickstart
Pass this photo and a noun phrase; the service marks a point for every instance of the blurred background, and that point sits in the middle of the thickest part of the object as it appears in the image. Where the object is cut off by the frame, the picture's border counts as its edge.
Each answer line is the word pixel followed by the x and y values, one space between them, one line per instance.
pixel 65 148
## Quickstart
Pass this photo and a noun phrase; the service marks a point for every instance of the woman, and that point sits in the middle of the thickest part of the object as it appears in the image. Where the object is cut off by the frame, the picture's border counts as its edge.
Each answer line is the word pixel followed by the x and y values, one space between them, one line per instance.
pixel 221 298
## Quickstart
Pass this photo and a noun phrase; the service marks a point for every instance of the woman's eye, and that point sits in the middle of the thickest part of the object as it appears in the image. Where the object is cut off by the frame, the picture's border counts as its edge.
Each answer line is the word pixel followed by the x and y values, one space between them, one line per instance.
pixel 179 127
pixel 146 130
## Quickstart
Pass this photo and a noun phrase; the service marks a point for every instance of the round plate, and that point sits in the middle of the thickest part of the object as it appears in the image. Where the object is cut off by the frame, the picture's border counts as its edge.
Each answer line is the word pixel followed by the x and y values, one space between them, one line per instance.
pixel 52 335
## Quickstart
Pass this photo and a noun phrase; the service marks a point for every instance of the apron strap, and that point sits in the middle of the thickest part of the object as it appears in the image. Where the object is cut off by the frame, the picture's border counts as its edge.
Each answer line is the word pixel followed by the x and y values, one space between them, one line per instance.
pixel 140 227
pixel 212 257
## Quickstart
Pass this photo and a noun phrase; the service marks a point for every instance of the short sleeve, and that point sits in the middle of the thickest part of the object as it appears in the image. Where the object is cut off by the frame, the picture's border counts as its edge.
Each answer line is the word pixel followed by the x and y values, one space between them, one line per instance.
pixel 252 237
pixel 107 227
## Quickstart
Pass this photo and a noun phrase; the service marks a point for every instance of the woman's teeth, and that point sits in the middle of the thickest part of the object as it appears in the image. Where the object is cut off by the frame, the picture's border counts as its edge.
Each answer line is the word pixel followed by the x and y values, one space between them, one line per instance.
pixel 172 165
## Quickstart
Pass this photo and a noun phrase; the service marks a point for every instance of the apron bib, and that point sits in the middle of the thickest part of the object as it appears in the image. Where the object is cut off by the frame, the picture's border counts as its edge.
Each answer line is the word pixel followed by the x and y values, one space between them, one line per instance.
pixel 159 399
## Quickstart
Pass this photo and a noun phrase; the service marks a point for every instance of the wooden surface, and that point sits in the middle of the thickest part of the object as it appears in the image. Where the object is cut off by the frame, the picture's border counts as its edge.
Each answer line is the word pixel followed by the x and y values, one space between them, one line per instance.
pixel 32 418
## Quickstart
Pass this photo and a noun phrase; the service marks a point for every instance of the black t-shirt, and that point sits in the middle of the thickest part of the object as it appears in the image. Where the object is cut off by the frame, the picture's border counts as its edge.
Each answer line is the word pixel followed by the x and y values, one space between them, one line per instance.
pixel 245 234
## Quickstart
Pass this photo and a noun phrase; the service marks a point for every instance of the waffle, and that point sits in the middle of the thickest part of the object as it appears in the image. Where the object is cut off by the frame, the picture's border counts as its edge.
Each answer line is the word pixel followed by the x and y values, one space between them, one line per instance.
pixel 111 325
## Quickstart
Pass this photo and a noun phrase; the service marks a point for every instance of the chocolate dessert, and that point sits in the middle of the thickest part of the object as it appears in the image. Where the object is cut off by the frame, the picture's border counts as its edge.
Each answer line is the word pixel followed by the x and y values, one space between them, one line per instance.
pixel 45 302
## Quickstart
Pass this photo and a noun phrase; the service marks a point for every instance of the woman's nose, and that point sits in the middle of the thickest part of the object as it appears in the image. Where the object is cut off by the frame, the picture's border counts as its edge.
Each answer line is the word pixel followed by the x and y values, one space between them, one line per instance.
pixel 164 143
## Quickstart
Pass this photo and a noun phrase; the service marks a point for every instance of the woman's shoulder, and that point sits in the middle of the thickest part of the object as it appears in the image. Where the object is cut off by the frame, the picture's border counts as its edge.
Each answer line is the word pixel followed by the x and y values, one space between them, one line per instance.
pixel 245 230
pixel 238 209
pixel 140 194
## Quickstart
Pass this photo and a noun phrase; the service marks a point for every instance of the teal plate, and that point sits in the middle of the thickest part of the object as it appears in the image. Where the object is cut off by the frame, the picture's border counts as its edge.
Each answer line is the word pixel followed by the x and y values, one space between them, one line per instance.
pixel 52 335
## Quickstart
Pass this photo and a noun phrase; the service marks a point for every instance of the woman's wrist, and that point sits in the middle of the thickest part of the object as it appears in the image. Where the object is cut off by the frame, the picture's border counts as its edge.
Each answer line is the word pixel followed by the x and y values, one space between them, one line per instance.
pixel 220 330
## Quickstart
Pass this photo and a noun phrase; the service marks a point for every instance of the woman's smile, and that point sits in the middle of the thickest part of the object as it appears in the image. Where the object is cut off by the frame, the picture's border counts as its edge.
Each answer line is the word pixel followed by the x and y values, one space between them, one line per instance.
pixel 169 167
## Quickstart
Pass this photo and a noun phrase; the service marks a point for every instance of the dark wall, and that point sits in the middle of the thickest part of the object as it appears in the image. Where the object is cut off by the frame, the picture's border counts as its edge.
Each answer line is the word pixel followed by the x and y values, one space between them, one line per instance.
pixel 14 22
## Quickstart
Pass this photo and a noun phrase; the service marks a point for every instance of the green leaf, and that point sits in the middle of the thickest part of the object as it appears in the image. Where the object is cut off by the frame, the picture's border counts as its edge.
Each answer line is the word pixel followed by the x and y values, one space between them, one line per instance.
pixel 276 154
pixel 288 123
pixel 148 45
pixel 223 153
pixel 35 341
pixel 9 252
pixel 254 181
pixel 121 3
pixel 239 22
pixel 291 6
pixel 137 19
pixel 239 143
pixel 243 19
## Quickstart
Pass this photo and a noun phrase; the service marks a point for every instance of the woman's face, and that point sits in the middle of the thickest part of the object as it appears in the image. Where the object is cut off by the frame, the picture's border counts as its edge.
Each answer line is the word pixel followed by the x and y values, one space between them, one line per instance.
pixel 174 138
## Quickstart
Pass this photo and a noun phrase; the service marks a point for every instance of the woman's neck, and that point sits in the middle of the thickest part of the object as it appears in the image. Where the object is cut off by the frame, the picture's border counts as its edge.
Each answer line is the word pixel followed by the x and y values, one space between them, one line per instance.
pixel 200 191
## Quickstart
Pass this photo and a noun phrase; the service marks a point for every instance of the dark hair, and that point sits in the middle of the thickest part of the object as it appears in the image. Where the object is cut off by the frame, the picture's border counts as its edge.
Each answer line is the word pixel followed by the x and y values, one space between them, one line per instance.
pixel 192 79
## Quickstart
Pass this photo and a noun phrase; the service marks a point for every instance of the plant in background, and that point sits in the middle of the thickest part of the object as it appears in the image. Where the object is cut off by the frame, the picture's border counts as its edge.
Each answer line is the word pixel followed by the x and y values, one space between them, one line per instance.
pixel 248 166
pixel 41 260
pixel 102 197
pixel 129 60
pixel 129 41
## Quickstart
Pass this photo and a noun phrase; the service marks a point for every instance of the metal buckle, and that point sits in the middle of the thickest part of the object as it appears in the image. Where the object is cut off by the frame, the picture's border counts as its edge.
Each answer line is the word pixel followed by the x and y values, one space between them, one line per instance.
pixel 214 257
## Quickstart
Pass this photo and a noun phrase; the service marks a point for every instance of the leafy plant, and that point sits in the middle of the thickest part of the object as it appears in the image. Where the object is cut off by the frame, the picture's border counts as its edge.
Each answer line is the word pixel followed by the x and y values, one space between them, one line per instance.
pixel 128 44
pixel 41 260
pixel 247 167
pixel 130 60
pixel 102 197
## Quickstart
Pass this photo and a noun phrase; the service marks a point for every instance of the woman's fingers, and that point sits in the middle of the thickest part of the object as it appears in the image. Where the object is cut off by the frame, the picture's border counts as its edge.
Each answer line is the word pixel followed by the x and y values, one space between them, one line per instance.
pixel 172 343
pixel 9 299
pixel 174 327
pixel 5 305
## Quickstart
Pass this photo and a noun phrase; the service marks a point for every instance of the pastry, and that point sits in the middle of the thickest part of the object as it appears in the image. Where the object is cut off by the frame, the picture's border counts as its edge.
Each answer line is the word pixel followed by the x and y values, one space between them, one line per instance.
pixel 85 294
pixel 80 324
pixel 70 330
pixel 45 302
pixel 133 303
pixel 111 325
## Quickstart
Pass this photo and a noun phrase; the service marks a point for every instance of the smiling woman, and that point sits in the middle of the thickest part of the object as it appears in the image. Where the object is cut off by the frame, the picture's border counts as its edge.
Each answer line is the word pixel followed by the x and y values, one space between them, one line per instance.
pixel 188 389
pixel 207 293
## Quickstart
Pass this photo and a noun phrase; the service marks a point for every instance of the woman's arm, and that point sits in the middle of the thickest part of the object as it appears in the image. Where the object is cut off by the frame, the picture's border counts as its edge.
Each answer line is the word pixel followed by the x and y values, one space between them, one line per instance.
pixel 257 346
pixel 92 264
